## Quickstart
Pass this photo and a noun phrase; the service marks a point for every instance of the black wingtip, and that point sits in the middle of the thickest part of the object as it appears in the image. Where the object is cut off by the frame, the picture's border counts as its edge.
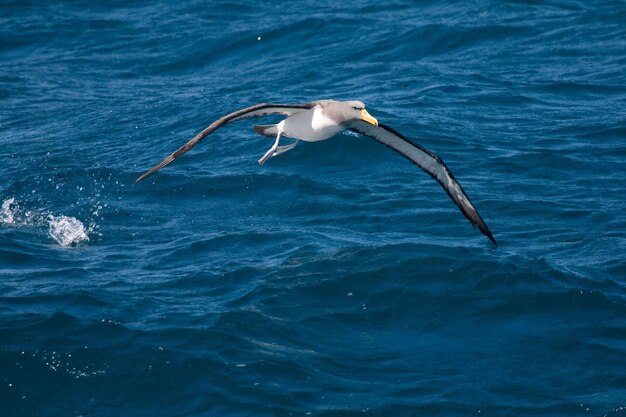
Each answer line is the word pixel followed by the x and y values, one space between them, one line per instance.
pixel 141 177
pixel 148 173
pixel 157 167
pixel 487 233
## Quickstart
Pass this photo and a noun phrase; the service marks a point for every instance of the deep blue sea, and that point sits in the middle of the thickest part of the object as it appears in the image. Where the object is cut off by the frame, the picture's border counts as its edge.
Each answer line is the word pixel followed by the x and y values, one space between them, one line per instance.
pixel 337 279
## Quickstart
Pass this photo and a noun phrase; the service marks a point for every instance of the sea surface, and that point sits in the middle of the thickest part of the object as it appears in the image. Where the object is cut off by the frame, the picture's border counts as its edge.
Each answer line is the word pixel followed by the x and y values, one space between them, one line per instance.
pixel 337 279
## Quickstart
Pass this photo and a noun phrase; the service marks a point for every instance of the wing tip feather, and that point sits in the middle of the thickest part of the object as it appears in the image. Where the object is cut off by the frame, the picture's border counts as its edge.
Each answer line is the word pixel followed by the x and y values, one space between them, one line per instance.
pixel 467 209
pixel 155 168
pixel 485 230
pixel 234 116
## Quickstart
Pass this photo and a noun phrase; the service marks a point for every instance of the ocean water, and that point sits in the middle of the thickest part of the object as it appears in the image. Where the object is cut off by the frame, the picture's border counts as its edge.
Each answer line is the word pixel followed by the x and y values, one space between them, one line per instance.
pixel 337 279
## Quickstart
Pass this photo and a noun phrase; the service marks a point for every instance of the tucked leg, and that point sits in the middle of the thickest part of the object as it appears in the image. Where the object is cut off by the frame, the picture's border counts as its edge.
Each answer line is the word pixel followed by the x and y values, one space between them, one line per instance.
pixel 271 151
pixel 283 149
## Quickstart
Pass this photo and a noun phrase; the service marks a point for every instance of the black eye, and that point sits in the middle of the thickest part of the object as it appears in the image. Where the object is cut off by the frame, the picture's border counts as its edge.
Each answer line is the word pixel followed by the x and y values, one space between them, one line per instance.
pixel 357 108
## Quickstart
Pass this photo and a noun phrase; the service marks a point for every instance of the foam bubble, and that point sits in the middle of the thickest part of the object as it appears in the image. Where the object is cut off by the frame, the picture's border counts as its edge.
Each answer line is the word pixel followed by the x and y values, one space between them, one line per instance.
pixel 6 215
pixel 66 231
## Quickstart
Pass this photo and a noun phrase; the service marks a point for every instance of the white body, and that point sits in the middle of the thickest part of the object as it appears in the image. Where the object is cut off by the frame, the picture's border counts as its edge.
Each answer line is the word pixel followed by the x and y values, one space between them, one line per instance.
pixel 310 126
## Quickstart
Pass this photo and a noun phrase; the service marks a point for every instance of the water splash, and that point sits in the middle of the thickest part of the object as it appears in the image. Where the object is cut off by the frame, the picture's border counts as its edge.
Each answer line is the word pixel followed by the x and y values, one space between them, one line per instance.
pixel 6 215
pixel 66 231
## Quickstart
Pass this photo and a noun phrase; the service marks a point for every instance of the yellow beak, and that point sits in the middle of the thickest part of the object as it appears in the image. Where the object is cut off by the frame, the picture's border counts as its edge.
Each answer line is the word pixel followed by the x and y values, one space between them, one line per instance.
pixel 365 116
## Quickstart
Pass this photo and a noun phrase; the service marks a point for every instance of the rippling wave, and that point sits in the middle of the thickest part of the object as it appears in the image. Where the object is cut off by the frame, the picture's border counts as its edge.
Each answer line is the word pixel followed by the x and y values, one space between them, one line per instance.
pixel 337 279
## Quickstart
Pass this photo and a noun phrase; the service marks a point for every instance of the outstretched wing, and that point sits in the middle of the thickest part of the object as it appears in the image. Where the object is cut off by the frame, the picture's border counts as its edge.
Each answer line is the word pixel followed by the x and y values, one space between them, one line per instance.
pixel 254 111
pixel 429 163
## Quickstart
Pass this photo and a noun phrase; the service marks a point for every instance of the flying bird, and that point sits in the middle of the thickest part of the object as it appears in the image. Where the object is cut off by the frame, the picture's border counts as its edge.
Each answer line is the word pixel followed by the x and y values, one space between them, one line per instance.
pixel 323 119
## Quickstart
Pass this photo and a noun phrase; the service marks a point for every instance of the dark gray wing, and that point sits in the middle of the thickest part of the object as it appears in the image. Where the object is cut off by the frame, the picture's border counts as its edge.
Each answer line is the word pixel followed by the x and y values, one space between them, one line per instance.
pixel 254 111
pixel 429 163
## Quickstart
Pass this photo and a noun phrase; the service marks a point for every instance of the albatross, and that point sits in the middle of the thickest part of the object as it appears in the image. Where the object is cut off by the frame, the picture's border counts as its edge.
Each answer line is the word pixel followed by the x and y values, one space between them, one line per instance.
pixel 323 119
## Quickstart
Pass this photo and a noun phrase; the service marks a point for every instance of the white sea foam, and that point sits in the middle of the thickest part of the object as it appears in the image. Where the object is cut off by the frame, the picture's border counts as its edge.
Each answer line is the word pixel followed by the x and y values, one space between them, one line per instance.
pixel 6 214
pixel 67 231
